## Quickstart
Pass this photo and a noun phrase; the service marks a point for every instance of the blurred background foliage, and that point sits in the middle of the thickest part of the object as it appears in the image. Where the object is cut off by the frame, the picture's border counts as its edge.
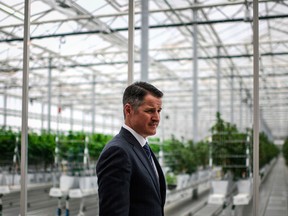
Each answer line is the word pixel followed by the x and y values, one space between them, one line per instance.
pixel 285 151
pixel 179 156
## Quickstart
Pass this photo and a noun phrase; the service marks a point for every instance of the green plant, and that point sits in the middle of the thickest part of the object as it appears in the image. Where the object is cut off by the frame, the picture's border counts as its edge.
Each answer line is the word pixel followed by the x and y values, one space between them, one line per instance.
pixel 202 153
pixel 154 143
pixel 7 145
pixel 96 144
pixel 229 148
pixel 180 157
pixel 41 149
pixel 171 178
pixel 285 150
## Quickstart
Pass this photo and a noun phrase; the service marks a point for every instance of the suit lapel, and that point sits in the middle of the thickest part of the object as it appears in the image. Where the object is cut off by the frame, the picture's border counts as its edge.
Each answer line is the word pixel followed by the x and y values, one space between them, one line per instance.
pixel 144 159
pixel 162 183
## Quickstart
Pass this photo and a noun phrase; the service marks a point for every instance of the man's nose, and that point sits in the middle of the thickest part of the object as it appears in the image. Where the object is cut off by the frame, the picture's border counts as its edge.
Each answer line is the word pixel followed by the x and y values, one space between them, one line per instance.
pixel 156 116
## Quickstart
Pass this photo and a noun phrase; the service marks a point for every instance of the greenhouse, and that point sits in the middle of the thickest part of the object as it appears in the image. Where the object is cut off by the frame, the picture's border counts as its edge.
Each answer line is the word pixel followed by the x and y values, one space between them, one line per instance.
pixel 221 65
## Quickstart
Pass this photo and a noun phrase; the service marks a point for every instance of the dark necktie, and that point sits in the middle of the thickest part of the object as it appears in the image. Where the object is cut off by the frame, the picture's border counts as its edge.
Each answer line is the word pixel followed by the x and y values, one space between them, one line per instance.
pixel 148 152
pixel 149 155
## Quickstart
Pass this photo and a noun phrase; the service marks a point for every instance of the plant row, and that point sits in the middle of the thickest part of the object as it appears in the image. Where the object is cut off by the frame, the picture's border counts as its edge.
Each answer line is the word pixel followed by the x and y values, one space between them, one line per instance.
pixel 227 147
pixel 41 147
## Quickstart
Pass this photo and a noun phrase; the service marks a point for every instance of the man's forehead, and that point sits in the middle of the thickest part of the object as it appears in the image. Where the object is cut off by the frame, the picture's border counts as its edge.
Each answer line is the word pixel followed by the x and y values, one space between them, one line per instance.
pixel 152 104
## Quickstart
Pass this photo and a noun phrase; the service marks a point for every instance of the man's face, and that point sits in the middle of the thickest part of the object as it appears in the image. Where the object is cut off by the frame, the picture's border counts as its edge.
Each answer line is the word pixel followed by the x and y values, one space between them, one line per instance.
pixel 146 118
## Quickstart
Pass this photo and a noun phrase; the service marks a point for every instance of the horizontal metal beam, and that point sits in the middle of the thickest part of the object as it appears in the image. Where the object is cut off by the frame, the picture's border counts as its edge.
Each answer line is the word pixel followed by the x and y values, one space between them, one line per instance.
pixel 246 76
pixel 13 69
pixel 125 13
pixel 172 25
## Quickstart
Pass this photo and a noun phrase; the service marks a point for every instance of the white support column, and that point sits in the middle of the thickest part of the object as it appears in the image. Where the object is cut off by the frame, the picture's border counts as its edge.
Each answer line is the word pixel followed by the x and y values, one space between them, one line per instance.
pixel 71 117
pixel 49 95
pixel 241 107
pixel 131 43
pixel 25 100
pixel 218 80
pixel 195 77
pixel 93 104
pixel 5 106
pixel 232 96
pixel 144 40
pixel 42 116
pixel 256 180
pixel 83 120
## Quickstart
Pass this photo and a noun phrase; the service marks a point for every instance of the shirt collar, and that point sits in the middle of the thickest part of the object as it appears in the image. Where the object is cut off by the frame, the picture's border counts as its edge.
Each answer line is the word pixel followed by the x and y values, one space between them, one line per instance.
pixel 139 138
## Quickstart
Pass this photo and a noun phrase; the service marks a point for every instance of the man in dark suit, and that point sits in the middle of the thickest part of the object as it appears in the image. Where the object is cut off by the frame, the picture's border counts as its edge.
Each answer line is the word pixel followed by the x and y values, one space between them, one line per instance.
pixel 130 179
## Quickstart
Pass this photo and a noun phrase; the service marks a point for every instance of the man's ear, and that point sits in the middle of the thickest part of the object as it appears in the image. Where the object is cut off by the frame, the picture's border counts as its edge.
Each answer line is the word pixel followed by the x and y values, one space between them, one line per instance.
pixel 127 109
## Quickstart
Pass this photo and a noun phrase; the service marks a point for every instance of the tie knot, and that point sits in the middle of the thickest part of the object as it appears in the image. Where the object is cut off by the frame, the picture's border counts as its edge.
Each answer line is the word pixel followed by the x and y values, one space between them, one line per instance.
pixel 147 150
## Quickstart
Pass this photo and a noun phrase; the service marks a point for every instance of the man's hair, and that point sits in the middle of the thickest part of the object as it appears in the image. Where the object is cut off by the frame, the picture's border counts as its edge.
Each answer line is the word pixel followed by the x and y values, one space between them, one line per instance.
pixel 134 94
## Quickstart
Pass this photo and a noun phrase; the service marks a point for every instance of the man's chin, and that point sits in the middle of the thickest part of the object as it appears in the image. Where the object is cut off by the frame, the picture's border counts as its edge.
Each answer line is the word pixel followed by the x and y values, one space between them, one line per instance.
pixel 152 133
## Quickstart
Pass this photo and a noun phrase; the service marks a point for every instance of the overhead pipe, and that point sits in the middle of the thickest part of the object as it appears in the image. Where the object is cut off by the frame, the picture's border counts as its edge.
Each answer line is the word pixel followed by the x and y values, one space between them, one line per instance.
pixel 246 76
pixel 172 25
pixel 125 13
pixel 156 60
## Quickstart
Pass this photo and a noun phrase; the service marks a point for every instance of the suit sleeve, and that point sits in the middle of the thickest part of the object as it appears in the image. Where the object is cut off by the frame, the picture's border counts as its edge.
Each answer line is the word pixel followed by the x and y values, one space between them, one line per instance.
pixel 114 171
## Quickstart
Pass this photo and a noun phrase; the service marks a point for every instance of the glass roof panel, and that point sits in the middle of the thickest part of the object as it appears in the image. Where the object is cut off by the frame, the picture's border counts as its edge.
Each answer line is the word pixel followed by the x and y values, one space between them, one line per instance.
pixel 86 39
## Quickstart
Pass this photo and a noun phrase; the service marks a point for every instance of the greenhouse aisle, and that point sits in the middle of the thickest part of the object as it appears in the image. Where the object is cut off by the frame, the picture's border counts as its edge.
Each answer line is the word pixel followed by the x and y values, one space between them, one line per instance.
pixel 273 200
pixel 40 204
pixel 273 193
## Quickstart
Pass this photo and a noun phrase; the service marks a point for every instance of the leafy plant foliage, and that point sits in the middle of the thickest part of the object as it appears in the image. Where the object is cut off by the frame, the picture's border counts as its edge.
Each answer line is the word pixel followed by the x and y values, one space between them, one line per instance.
pixel 179 156
pixel 41 147
pixel 185 157
pixel 285 150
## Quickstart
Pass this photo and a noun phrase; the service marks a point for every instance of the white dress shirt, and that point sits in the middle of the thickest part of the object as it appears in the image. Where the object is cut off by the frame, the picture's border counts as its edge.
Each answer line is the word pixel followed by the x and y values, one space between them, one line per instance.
pixel 142 142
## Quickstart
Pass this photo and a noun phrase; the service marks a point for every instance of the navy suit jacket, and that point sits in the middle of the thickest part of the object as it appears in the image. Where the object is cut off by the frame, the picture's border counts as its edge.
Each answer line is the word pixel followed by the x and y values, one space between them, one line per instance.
pixel 128 185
